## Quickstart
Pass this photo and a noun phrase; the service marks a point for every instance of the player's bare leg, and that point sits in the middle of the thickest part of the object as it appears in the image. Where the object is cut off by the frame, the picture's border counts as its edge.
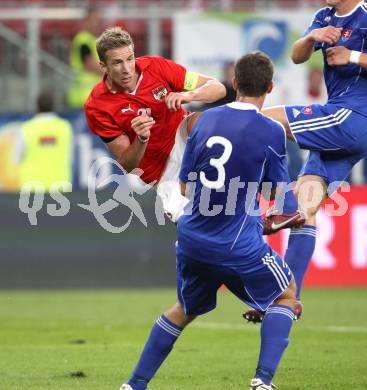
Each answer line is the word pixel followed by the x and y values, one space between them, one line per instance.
pixel 276 220
pixel 310 191
pixel 176 314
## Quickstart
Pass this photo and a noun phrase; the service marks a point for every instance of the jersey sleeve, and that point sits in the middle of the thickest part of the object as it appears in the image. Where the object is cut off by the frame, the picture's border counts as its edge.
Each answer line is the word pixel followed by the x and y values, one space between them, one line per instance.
pixel 174 73
pixel 318 21
pixel 276 167
pixel 102 124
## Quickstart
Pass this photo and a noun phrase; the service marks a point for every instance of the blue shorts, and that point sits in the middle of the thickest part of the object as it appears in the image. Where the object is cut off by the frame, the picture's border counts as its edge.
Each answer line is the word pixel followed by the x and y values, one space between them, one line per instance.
pixel 335 136
pixel 258 284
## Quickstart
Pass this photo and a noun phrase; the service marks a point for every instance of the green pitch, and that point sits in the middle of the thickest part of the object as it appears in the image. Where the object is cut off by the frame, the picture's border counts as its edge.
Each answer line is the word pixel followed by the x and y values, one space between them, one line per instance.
pixel 91 340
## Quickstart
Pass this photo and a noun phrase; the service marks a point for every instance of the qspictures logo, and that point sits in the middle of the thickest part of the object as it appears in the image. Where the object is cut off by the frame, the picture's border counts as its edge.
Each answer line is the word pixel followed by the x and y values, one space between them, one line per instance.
pixel 123 190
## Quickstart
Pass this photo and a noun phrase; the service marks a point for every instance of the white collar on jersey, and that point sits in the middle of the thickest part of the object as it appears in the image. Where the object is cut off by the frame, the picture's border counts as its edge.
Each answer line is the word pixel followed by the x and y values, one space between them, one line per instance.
pixel 242 106
pixel 352 11
pixel 137 84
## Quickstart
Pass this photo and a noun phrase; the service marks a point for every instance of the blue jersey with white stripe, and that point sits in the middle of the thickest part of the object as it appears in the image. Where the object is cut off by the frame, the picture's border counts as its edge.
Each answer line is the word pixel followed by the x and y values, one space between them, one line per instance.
pixel 346 84
pixel 231 150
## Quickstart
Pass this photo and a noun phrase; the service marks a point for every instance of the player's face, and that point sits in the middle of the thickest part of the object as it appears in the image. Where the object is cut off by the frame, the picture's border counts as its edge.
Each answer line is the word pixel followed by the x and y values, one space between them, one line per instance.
pixel 342 6
pixel 334 3
pixel 120 68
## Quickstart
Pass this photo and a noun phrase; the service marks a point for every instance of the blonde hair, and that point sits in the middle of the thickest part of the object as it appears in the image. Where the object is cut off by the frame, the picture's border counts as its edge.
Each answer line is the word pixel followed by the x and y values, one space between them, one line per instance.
pixel 112 38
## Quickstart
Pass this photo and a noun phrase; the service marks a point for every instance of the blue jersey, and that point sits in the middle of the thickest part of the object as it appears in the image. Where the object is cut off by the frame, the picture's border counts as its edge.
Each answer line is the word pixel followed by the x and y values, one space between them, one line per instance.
pixel 231 150
pixel 346 84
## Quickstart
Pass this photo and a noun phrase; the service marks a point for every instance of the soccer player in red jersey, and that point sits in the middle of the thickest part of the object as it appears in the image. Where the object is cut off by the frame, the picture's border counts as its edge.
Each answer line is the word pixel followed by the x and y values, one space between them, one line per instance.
pixel 137 111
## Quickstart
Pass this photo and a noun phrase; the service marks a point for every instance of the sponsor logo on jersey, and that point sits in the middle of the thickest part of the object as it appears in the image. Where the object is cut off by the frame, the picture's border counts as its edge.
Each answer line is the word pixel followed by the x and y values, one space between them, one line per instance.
pixel 47 141
pixel 127 109
pixel 346 34
pixel 160 92
pixel 307 110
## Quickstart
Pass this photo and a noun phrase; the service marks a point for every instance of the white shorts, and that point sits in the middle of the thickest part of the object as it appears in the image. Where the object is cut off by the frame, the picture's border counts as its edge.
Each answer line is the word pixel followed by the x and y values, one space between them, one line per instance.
pixel 168 187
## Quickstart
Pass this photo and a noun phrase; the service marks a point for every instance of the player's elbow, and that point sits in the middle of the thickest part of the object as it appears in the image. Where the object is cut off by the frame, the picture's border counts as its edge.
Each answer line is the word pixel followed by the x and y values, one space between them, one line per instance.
pixel 297 59
pixel 218 91
pixel 301 51
pixel 221 90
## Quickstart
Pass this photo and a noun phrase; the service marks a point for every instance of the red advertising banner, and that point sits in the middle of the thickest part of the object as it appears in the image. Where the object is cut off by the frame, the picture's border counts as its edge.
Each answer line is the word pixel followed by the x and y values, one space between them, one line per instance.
pixel 340 257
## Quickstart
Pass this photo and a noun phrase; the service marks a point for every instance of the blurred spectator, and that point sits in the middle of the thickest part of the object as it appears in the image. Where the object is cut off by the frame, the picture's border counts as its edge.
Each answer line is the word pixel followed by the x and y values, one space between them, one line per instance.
pixel 228 74
pixel 84 59
pixel 43 150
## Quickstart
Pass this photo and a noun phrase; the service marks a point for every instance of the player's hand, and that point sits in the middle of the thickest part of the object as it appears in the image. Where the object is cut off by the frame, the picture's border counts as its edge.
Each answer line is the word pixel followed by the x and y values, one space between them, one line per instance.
pixel 174 100
pixel 329 34
pixel 142 124
pixel 338 55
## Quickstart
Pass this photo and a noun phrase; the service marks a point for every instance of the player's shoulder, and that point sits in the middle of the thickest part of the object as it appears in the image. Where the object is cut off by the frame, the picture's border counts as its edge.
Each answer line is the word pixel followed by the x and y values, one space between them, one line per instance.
pixel 363 8
pixel 275 130
pixel 211 113
pixel 145 62
pixel 99 97
pixel 96 93
pixel 63 121
pixel 324 13
pixel 273 125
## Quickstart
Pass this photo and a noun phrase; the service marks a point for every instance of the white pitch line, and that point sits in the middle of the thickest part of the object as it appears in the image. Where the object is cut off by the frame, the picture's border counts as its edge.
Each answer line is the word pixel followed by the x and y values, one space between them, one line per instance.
pixel 250 327
pixel 222 325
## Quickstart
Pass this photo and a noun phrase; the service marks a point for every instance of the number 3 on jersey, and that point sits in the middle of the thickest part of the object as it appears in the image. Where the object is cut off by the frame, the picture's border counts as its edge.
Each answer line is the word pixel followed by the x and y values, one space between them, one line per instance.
pixel 217 163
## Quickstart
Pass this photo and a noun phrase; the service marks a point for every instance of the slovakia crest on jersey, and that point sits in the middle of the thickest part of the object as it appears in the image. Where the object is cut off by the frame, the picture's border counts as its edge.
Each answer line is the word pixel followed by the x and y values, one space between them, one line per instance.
pixel 307 110
pixel 346 34
pixel 160 92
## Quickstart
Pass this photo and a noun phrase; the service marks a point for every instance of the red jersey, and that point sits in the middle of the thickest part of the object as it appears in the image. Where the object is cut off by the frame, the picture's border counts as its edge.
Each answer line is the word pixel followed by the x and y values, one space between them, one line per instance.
pixel 109 114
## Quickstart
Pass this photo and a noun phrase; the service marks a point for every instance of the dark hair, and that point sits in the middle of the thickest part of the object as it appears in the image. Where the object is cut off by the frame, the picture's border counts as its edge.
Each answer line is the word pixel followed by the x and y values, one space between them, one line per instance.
pixel 254 74
pixel 45 102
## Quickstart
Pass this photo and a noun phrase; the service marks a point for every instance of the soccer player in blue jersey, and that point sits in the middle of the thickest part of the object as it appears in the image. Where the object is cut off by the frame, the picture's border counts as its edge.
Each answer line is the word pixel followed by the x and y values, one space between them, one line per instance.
pixel 231 153
pixel 335 133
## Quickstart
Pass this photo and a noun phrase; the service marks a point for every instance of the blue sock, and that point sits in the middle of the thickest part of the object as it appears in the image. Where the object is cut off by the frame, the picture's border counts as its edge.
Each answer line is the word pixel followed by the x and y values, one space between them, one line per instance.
pixel 301 245
pixel 160 343
pixel 290 203
pixel 286 202
pixel 275 329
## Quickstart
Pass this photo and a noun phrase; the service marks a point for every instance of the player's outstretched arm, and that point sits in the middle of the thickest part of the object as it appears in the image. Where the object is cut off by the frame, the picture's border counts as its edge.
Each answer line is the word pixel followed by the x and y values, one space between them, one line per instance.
pixel 207 90
pixel 303 49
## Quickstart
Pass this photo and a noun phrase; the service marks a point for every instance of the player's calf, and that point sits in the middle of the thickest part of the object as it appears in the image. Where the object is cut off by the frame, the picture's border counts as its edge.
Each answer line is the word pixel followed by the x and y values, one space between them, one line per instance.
pixel 275 329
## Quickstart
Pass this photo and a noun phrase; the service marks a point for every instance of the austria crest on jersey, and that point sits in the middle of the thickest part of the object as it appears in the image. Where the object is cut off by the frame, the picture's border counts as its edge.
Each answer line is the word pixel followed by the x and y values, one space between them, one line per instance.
pixel 346 34
pixel 160 92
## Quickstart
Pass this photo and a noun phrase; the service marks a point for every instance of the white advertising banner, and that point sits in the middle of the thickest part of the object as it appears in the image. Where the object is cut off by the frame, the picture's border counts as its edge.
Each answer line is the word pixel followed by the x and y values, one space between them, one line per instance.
pixel 203 42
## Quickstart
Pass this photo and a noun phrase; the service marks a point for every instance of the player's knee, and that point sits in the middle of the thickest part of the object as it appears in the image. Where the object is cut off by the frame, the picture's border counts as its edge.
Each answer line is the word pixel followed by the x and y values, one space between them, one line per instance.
pixel 288 297
pixel 177 315
pixel 310 191
pixel 292 289
pixel 278 114
pixel 178 310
